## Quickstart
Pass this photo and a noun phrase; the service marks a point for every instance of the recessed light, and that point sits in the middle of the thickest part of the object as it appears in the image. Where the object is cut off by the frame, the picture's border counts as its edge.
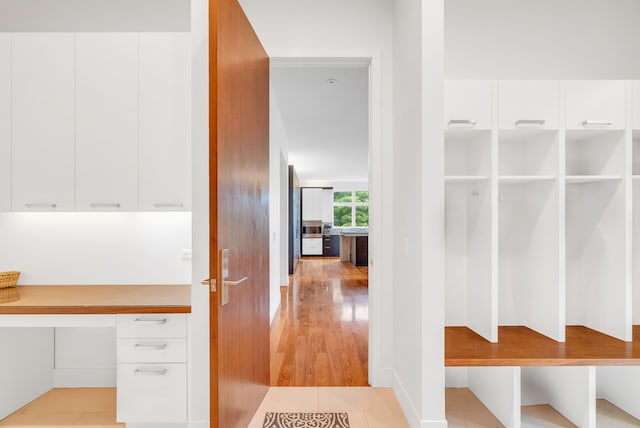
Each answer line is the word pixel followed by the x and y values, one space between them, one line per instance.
pixel 331 81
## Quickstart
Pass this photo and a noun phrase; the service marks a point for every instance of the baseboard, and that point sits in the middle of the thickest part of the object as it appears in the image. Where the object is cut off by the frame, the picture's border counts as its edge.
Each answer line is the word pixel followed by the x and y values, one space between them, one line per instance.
pixel 84 378
pixel 157 425
pixel 410 412
pixel 284 281
pixel 199 424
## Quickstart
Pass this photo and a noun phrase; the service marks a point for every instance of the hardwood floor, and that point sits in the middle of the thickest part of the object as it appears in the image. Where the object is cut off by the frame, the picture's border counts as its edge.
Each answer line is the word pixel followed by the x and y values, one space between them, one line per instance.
pixel 319 337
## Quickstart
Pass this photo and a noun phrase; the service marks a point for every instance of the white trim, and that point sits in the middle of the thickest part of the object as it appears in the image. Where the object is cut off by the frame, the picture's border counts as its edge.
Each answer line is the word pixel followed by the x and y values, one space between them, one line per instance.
pixel 408 408
pixel 378 249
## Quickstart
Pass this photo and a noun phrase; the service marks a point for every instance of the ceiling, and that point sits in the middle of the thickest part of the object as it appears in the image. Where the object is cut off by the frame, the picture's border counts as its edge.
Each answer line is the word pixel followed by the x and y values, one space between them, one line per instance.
pixel 327 123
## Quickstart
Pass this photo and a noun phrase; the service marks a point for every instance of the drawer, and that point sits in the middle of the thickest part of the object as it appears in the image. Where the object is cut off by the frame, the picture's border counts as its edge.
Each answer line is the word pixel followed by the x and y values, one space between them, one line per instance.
pixel 151 326
pixel 152 393
pixel 152 351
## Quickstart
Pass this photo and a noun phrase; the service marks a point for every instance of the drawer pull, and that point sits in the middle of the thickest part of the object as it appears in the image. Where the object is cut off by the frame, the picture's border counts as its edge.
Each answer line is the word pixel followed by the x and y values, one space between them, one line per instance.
pixel 40 205
pixel 597 123
pixel 168 205
pixel 151 320
pixel 462 123
pixel 158 346
pixel 103 205
pixel 151 372
pixel 529 123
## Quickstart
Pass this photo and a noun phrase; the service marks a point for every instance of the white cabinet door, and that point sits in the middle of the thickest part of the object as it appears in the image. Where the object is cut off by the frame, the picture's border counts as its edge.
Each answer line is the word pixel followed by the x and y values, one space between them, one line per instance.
pixel 636 104
pixel 165 161
pixel 107 121
pixel 5 122
pixel 42 121
pixel 327 205
pixel 596 104
pixel 311 246
pixel 528 104
pixel 311 204
pixel 467 104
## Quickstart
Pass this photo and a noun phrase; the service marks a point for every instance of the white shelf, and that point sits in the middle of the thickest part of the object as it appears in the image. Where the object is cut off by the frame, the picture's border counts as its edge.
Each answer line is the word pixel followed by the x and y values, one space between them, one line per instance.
pixel 584 179
pixel 515 179
pixel 465 178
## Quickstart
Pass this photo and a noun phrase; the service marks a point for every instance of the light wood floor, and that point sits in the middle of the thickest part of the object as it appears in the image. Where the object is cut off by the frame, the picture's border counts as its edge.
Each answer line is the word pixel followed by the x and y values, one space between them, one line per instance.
pixel 320 335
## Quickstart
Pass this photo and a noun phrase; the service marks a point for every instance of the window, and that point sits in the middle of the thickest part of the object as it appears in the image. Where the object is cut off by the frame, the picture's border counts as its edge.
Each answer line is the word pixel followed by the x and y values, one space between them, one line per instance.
pixel 351 208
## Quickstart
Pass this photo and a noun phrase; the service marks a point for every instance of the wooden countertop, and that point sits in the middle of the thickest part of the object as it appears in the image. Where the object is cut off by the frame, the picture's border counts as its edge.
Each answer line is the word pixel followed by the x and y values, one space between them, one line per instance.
pixel 100 299
pixel 521 346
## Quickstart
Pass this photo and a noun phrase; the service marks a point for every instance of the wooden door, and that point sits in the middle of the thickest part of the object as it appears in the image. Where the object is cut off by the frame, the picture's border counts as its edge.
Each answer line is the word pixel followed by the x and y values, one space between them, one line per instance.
pixel 239 171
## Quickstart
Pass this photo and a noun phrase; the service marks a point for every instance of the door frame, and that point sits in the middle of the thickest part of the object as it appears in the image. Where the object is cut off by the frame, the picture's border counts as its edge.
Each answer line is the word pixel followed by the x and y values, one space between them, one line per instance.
pixel 380 214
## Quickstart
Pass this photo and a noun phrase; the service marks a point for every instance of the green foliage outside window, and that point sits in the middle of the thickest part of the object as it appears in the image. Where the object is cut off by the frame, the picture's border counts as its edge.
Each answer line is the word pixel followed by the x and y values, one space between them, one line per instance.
pixel 362 216
pixel 341 197
pixel 362 196
pixel 342 216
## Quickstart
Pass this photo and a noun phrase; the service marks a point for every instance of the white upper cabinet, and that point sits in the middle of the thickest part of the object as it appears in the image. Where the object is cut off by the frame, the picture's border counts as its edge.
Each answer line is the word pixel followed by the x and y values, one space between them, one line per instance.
pixel 165 161
pixel 5 122
pixel 42 117
pixel 528 104
pixel 107 121
pixel 596 104
pixel 636 104
pixel 467 104
pixel 312 204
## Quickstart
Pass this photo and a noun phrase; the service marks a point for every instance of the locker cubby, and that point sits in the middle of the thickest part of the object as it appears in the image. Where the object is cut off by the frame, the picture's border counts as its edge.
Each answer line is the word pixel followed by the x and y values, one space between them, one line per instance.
pixel 467 153
pixel 597 289
pixel 469 298
pixel 618 386
pixel 594 153
pixel 530 292
pixel 528 152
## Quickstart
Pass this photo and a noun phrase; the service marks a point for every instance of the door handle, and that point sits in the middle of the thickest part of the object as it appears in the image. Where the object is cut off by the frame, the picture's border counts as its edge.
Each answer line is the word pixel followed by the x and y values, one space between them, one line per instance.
pixel 226 282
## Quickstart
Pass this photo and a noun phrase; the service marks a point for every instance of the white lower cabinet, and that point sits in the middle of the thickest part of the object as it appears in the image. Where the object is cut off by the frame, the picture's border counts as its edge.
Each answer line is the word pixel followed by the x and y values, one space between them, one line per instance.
pixel 152 368
pixel 311 246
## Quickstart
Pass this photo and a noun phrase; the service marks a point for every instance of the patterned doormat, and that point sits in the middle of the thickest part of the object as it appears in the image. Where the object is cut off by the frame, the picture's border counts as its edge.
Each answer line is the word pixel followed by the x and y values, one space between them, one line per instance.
pixel 306 420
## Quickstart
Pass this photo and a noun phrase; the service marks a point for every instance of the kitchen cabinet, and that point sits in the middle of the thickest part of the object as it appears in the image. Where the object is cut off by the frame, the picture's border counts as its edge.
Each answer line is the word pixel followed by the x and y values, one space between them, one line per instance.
pixel 596 104
pixel 5 122
pixel 331 245
pixel 327 206
pixel 106 121
pixel 528 104
pixel 311 246
pixel 42 121
pixel 312 201
pixel 151 368
pixel 467 104
pixel 164 134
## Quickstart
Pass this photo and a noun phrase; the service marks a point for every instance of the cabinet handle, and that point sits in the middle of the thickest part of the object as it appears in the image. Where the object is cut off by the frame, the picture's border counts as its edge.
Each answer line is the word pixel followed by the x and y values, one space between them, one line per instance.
pixel 40 205
pixel 103 205
pixel 158 346
pixel 168 205
pixel 152 320
pixel 151 372
pixel 462 123
pixel 597 123
pixel 522 123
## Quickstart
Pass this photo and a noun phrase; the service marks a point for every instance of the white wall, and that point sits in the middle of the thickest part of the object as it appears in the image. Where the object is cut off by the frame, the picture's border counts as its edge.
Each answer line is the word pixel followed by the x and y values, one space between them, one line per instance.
pixel 278 143
pixel 94 15
pixel 542 39
pixel 418 244
pixel 96 248
pixel 290 29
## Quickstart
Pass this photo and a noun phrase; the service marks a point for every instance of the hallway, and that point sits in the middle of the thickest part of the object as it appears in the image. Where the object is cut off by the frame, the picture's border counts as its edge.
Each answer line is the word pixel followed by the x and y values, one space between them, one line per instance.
pixel 319 337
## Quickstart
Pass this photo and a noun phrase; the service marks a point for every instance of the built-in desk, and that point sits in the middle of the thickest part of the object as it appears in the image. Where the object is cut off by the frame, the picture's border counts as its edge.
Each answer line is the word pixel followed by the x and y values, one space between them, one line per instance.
pixel 151 324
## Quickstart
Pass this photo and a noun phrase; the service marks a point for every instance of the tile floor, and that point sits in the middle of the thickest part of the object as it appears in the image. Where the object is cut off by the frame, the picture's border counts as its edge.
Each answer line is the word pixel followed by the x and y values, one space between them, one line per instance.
pixel 69 407
pixel 367 407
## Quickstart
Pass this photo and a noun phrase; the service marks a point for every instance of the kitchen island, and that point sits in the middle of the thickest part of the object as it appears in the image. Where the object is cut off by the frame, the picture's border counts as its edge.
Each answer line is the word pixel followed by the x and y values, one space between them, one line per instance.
pixel 354 247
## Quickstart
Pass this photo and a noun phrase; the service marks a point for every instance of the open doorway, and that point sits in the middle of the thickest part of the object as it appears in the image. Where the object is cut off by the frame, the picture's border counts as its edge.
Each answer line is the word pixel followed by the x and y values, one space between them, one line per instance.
pixel 320 124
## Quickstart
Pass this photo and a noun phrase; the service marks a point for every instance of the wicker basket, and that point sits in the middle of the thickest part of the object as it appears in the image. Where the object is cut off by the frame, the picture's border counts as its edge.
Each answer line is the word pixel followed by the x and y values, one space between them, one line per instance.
pixel 9 279
pixel 8 295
